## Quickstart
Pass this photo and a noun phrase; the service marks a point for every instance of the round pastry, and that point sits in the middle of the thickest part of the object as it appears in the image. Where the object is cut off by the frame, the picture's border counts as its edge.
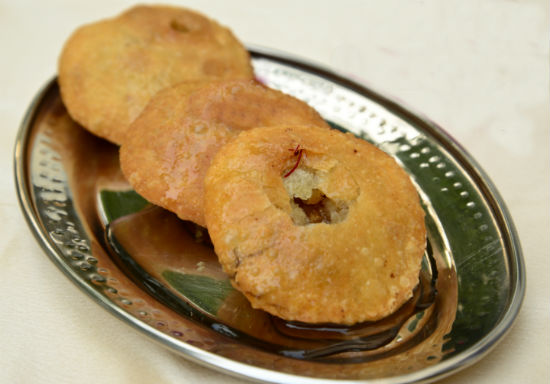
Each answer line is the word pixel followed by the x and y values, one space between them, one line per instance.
pixel 173 141
pixel 315 225
pixel 110 69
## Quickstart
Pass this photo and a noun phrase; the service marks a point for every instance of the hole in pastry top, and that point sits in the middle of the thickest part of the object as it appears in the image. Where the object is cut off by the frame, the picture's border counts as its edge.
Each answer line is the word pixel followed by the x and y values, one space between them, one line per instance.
pixel 309 203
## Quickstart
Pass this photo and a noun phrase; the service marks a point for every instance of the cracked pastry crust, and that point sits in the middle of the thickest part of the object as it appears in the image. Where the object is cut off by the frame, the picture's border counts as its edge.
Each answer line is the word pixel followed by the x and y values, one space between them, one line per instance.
pixel 175 138
pixel 340 239
pixel 108 70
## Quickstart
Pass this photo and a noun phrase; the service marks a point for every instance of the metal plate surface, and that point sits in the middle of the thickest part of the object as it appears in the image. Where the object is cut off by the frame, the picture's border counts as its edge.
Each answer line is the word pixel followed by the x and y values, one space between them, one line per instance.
pixel 79 206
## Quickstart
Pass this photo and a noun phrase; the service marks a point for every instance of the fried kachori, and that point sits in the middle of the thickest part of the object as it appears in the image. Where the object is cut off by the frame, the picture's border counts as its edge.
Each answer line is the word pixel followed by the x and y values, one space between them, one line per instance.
pixel 174 140
pixel 315 225
pixel 108 70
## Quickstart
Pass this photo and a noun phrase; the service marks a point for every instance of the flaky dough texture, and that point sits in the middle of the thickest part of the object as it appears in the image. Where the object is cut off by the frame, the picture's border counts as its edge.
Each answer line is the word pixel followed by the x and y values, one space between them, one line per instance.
pixel 108 70
pixel 175 138
pixel 332 234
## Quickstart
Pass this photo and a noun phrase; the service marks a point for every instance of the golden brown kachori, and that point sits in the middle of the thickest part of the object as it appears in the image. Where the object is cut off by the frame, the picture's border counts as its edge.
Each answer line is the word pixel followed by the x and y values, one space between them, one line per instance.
pixel 175 138
pixel 315 225
pixel 108 70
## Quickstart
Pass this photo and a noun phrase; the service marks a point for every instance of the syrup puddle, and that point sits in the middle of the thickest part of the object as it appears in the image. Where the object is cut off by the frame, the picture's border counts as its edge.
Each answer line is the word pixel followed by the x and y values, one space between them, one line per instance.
pixel 174 261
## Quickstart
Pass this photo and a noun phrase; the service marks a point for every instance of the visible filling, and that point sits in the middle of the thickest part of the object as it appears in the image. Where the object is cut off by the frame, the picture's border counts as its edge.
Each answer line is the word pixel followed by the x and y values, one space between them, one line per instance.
pixel 308 202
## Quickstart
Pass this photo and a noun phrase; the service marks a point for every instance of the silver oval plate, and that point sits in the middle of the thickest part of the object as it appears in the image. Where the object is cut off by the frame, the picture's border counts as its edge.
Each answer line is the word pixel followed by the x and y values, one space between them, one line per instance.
pixel 160 274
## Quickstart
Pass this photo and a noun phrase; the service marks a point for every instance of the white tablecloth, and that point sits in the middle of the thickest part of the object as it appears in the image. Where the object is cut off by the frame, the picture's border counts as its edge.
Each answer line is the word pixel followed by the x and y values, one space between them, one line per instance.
pixel 478 68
